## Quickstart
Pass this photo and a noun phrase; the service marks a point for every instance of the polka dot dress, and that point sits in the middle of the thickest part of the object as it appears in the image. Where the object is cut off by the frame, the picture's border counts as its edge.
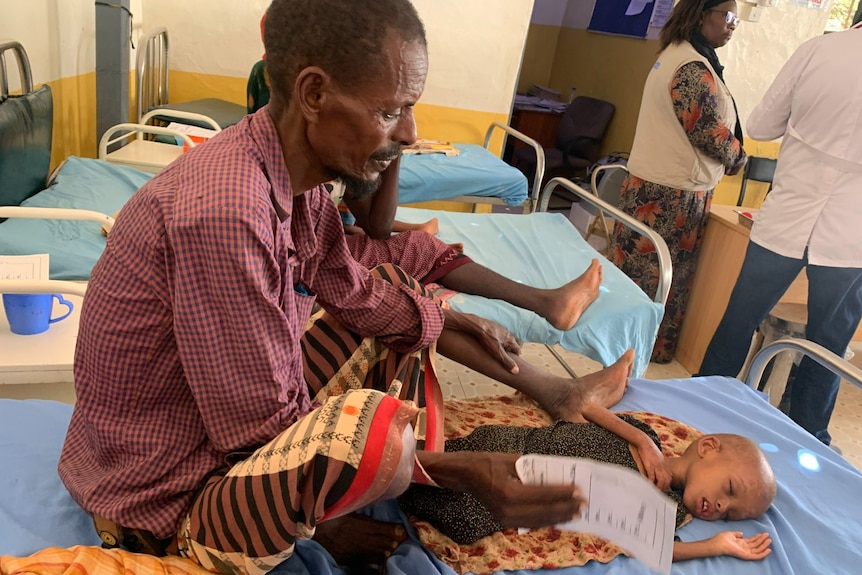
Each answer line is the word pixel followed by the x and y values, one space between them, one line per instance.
pixel 462 518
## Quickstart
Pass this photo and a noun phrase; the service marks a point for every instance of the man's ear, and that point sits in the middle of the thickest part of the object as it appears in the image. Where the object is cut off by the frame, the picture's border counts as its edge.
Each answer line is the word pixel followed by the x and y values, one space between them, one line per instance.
pixel 311 91
pixel 707 444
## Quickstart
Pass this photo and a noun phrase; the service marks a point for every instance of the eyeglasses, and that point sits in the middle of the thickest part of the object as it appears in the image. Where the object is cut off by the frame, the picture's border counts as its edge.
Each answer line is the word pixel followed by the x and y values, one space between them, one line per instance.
pixel 729 17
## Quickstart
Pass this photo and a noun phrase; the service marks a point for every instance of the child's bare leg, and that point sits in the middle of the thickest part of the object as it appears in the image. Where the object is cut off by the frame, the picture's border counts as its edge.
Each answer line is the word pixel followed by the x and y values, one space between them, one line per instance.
pixel 561 397
pixel 562 306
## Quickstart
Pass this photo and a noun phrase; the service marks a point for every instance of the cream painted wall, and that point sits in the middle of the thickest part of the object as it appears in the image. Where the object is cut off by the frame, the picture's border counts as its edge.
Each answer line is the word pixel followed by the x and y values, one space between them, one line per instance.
pixel 474 48
pixel 58 37
pixel 759 49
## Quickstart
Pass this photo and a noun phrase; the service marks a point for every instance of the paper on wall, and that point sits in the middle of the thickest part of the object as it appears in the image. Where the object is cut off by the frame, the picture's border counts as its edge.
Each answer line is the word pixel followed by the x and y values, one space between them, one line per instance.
pixel 623 505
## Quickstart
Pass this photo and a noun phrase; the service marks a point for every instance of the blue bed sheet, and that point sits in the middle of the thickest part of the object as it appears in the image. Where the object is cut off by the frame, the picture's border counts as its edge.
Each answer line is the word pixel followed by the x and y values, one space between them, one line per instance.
pixel 545 250
pixel 475 172
pixel 815 521
pixel 73 246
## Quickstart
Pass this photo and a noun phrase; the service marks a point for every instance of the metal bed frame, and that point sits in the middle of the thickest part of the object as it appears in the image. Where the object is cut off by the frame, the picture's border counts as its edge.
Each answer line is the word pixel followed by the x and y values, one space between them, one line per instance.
pixel 832 362
pixel 23 68
pixel 665 265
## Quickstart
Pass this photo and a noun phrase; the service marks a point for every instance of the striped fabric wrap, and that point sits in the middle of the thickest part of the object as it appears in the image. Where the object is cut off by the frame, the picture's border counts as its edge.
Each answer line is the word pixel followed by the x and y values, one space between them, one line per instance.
pixel 340 457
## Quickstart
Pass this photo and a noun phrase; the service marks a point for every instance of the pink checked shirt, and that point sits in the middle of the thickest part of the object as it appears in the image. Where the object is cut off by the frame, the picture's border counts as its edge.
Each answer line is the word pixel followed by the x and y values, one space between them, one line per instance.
pixel 188 353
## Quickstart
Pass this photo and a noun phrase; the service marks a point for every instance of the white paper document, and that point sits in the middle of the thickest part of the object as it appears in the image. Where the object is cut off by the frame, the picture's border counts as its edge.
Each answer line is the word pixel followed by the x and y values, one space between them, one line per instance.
pixel 34 267
pixel 623 506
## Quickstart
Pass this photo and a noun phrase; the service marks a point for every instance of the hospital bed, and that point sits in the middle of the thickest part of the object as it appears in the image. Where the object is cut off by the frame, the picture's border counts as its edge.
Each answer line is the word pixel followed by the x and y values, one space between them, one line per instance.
pixel 814 521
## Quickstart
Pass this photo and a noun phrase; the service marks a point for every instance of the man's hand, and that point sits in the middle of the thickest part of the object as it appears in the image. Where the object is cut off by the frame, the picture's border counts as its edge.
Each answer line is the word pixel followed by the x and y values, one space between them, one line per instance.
pixel 733 543
pixel 492 479
pixel 491 336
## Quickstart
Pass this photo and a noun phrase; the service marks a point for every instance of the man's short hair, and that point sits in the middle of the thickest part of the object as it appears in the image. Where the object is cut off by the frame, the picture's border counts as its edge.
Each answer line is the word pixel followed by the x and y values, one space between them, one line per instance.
pixel 343 37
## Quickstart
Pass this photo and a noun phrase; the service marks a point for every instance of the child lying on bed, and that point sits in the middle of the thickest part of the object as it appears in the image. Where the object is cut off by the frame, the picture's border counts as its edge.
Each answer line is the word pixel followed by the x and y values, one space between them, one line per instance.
pixel 719 476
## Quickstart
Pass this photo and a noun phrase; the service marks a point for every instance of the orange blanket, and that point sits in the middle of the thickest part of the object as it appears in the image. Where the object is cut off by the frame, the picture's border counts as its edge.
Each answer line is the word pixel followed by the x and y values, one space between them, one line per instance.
pixel 84 560
pixel 547 548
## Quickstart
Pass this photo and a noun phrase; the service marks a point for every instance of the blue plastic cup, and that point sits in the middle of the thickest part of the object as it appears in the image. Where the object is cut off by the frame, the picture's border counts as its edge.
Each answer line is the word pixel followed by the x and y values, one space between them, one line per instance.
pixel 29 314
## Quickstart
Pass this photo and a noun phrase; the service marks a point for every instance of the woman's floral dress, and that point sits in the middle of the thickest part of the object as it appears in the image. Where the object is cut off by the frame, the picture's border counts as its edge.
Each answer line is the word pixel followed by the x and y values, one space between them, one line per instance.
pixel 680 216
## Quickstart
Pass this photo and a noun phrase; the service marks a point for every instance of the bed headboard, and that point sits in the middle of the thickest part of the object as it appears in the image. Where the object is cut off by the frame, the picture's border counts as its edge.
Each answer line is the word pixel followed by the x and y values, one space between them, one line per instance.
pixel 26 123
pixel 151 73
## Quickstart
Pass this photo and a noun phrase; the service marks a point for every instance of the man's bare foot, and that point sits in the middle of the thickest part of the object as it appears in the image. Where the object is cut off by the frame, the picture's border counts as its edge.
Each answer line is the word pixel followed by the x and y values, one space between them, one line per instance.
pixel 605 387
pixel 360 542
pixel 565 304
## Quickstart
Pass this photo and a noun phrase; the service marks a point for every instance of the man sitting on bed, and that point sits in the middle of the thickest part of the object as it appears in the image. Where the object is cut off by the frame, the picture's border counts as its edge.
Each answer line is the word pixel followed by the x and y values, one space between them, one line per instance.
pixel 419 253
pixel 216 417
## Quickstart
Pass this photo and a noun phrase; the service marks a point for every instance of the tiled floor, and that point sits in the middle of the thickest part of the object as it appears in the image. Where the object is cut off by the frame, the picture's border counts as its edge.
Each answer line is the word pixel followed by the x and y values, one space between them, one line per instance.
pixel 458 381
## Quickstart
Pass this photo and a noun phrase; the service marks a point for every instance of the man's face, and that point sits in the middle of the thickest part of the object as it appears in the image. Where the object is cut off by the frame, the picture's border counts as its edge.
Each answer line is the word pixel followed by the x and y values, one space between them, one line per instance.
pixel 363 128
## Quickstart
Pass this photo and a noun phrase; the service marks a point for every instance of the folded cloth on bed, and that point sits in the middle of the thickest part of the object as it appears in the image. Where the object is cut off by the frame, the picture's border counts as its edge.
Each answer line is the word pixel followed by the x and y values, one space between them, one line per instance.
pixel 73 246
pixel 545 250
pixel 473 172
pixel 547 548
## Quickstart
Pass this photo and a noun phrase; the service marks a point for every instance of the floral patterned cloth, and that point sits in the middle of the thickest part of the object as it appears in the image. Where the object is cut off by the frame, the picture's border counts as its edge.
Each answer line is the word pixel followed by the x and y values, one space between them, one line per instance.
pixel 679 216
pixel 547 548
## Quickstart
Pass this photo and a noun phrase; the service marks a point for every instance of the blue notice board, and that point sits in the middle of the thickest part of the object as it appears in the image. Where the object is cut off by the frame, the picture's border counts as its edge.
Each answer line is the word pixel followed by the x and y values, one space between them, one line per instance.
pixel 609 16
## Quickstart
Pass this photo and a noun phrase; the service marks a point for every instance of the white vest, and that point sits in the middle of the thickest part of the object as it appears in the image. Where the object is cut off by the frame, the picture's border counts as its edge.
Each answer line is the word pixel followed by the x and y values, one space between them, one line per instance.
pixel 662 153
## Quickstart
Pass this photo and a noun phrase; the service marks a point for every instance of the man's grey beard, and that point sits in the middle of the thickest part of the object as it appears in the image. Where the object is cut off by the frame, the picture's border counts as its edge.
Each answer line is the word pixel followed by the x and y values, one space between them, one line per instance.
pixel 357 188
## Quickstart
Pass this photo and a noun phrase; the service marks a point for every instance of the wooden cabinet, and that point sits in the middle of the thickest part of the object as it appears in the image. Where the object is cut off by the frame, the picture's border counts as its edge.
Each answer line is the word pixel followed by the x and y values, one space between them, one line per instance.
pixel 541 125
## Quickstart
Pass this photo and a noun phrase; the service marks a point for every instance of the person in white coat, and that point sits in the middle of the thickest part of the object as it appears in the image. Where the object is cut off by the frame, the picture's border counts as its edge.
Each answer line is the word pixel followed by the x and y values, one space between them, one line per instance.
pixel 812 218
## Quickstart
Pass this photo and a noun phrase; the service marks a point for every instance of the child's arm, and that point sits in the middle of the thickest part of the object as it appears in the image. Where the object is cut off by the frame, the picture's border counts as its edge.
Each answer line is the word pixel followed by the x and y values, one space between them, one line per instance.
pixel 731 543
pixel 376 213
pixel 651 457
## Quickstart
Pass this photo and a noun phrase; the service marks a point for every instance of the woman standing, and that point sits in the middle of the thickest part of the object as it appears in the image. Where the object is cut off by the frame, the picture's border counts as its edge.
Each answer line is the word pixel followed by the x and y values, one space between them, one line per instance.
pixel 687 138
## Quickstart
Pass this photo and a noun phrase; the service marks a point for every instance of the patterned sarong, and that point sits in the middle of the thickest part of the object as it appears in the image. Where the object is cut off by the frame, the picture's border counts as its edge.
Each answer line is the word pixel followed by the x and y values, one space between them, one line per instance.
pixel 338 458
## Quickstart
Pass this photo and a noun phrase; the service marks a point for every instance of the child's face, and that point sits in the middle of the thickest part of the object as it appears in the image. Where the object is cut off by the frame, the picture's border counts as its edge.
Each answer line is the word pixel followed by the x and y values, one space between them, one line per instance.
pixel 717 486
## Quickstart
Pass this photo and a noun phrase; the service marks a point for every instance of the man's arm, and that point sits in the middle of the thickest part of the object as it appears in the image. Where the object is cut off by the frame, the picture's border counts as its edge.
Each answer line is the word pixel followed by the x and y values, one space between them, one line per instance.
pixel 239 351
pixel 769 119
pixel 376 213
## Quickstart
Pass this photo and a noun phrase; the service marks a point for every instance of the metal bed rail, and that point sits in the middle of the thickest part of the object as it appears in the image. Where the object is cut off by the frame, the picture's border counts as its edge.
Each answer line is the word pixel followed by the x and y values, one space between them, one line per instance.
pixel 837 365
pixel 540 157
pixel 529 204
pixel 23 68
pixel 665 267
pixel 151 73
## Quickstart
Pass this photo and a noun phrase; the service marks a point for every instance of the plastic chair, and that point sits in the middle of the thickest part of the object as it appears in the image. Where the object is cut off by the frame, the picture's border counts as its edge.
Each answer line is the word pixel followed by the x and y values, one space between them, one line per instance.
pixel 578 141
pixel 758 169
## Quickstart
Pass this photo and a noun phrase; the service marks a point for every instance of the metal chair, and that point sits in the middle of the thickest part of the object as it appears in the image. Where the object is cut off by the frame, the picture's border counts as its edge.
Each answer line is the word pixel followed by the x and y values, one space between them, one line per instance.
pixel 758 169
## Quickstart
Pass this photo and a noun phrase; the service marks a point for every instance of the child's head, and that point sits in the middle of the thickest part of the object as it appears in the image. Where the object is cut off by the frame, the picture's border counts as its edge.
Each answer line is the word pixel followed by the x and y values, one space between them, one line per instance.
pixel 728 477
